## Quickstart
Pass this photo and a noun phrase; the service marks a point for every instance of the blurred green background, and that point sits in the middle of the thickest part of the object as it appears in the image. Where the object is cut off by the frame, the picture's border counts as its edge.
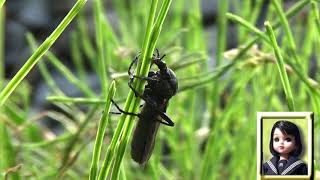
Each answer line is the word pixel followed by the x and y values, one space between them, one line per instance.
pixel 226 64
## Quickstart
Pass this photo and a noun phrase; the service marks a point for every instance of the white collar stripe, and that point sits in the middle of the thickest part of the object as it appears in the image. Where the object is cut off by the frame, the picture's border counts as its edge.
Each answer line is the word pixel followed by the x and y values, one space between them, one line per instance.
pixel 272 167
pixel 291 167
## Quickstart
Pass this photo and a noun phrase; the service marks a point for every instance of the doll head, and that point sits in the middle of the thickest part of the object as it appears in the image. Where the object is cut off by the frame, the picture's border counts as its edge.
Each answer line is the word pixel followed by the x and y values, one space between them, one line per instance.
pixel 285 139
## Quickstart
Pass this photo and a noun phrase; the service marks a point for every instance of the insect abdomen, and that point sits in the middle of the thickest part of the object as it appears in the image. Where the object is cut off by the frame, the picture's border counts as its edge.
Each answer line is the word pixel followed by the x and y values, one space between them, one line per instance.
pixel 144 135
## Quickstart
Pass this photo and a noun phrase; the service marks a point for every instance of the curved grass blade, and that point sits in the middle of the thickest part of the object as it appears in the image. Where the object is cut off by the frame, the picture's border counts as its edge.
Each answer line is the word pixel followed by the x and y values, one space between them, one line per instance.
pixel 281 68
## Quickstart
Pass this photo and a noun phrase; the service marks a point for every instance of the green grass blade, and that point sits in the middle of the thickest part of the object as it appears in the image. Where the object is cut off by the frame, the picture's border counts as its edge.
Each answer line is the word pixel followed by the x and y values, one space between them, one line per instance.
pixel 86 45
pixel 26 68
pixel 76 56
pixel 66 72
pixel 288 33
pixel 296 8
pixel 247 24
pixel 222 27
pixel 281 68
pixel 7 152
pixel 1 3
pixel 75 140
pixel 100 133
pixel 75 100
pixel 98 13
pixel 315 10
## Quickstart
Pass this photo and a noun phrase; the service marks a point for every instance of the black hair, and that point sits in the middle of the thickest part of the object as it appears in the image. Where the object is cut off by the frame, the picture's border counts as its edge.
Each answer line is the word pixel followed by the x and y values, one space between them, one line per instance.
pixel 288 128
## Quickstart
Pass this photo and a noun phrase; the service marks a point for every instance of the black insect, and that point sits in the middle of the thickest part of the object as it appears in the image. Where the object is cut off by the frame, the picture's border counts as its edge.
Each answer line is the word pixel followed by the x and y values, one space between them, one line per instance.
pixel 161 86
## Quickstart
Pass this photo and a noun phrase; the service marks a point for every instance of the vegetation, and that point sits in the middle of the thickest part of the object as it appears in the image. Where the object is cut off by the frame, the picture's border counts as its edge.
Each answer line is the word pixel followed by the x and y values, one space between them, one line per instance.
pixel 214 111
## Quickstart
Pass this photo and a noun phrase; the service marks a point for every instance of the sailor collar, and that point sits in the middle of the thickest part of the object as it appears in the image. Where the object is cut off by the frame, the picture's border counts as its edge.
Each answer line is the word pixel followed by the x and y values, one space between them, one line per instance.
pixel 292 164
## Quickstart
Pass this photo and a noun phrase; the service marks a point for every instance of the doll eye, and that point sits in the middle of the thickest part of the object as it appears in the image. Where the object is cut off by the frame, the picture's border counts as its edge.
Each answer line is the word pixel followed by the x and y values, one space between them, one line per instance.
pixel 288 139
pixel 276 139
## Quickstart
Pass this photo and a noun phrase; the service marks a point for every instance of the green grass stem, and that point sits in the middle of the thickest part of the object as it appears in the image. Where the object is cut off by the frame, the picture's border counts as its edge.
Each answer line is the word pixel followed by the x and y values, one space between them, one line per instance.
pixel 76 56
pixel 281 68
pixel 219 71
pixel 100 133
pixel 7 152
pixel 247 24
pixel 64 70
pixel 75 139
pixel 296 8
pixel 222 29
pixel 42 144
pixel 98 13
pixel 315 10
pixel 86 45
pixel 288 33
pixel 76 100
pixel 26 68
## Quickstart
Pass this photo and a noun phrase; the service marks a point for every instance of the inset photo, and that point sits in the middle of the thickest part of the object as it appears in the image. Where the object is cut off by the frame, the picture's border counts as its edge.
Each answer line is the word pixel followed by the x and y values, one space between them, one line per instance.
pixel 284 145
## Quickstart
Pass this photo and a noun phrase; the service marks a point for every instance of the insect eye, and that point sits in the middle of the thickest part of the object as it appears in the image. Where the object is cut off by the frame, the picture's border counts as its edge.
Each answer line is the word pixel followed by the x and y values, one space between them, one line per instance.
pixel 288 139
pixel 276 139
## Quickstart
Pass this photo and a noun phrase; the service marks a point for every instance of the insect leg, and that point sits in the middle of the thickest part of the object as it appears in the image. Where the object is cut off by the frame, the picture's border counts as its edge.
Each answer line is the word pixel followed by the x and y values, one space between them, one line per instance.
pixel 132 63
pixel 122 111
pixel 167 121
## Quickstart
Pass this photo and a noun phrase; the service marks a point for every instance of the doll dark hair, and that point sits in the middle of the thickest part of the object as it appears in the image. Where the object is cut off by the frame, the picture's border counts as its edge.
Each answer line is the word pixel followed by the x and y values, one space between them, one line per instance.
pixel 288 128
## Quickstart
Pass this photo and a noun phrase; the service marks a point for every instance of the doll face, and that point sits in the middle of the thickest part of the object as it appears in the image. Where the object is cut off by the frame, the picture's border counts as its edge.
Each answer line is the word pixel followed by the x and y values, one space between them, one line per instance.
pixel 282 143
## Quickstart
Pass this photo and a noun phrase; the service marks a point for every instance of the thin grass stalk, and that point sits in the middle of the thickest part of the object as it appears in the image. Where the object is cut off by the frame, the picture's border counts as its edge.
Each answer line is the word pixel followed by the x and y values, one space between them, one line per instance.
pixel 75 139
pixel 315 11
pixel 43 69
pixel 59 139
pixel 66 72
pixel 307 39
pixel 86 44
pixel 220 70
pixel 221 46
pixel 245 11
pixel 288 33
pixel 296 8
pixel 100 133
pixel 310 83
pixel 177 21
pixel 222 28
pixel 210 146
pixel 110 44
pixel 193 41
pixel 98 13
pixel 7 152
pixel 76 56
pixel 143 72
pixel 76 100
pixel 280 64
pixel 247 24
pixel 123 173
pixel 132 103
pixel 26 68
pixel 2 28
pixel 254 14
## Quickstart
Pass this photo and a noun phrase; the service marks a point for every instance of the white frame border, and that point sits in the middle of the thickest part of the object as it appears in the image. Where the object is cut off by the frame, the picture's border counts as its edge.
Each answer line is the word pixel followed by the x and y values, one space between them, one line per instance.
pixel 286 115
